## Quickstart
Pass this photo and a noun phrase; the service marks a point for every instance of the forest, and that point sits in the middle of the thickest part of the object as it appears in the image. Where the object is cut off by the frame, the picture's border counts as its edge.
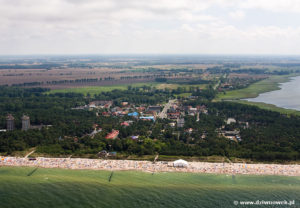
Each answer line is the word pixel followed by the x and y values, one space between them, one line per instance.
pixel 270 136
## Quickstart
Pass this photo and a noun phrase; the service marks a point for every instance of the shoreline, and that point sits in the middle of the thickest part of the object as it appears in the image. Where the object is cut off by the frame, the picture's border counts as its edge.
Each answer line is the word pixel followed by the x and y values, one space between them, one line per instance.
pixel 253 91
pixel 150 167
pixel 270 84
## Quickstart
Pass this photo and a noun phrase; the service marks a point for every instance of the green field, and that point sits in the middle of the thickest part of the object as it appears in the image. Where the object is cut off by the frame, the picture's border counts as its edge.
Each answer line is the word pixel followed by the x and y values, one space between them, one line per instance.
pixel 175 86
pixel 98 89
pixel 92 90
pixel 87 188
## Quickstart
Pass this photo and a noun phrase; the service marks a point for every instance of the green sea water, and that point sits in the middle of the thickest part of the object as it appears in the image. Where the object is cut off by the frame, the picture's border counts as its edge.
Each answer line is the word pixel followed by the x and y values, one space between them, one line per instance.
pixel 88 188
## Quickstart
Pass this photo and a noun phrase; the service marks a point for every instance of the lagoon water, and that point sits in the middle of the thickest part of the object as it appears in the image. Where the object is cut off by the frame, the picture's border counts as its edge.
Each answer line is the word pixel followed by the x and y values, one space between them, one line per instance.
pixel 287 97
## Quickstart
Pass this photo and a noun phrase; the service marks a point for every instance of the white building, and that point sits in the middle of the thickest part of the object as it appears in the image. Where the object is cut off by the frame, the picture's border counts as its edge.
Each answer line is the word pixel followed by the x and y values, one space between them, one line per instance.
pixel 230 121
pixel 180 163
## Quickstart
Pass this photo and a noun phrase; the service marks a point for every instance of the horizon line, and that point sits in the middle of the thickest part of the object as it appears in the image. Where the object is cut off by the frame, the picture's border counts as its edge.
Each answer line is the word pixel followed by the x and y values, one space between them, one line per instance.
pixel 147 54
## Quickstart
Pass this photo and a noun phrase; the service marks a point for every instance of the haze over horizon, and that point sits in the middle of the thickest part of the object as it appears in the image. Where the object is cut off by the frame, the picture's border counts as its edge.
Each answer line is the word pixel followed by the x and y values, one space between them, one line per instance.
pixel 224 27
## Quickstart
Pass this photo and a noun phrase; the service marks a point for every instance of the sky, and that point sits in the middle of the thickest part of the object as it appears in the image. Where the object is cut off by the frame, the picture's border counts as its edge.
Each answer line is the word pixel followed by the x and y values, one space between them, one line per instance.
pixel 150 27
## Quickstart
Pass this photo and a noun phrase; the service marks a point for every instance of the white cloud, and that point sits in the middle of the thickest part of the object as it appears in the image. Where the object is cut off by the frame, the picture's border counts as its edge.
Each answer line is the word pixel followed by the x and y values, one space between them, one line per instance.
pixel 239 15
pixel 116 26
pixel 272 5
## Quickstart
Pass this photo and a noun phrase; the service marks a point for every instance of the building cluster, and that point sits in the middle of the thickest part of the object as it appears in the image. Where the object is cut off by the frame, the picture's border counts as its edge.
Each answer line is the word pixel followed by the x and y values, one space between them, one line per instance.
pixel 10 123
pixel 232 134
pixel 175 111
pixel 98 104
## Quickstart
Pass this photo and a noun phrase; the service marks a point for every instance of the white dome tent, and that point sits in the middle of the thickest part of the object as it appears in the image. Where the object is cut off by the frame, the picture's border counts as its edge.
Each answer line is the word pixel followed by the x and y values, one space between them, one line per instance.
pixel 180 163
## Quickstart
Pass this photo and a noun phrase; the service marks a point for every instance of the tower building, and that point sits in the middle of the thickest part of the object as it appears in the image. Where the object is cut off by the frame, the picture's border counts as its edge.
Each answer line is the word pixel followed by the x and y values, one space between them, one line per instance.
pixel 25 123
pixel 10 122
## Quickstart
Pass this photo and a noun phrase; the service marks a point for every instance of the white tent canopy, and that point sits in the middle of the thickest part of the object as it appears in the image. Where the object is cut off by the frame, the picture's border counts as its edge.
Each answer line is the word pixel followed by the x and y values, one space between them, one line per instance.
pixel 180 163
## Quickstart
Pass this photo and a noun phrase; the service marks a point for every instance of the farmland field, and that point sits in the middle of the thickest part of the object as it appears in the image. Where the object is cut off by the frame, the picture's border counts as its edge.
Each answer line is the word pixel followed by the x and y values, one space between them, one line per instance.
pixel 175 86
pixel 98 89
pixel 87 188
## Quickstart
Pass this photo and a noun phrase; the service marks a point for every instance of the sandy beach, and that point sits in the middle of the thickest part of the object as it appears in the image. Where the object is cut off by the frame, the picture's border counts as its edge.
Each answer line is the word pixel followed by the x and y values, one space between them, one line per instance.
pixel 147 166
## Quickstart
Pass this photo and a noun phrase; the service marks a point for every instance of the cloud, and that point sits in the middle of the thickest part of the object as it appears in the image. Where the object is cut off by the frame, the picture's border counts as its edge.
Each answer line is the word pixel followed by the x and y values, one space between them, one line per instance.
pixel 272 5
pixel 239 15
pixel 114 26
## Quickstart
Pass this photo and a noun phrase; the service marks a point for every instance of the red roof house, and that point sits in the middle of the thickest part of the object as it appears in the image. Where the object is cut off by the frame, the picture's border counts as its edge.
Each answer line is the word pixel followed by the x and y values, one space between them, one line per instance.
pixel 112 135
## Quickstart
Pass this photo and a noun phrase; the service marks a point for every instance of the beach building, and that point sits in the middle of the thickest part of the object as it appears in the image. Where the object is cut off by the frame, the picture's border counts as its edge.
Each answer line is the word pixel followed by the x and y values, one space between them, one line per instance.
pixel 180 163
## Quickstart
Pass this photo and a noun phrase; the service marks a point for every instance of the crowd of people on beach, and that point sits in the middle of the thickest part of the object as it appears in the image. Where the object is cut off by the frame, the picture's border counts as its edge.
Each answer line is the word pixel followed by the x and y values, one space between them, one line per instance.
pixel 148 166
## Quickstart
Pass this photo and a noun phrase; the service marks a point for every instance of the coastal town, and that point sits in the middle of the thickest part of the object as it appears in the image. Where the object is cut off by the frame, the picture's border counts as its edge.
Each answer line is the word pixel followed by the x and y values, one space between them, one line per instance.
pixel 174 111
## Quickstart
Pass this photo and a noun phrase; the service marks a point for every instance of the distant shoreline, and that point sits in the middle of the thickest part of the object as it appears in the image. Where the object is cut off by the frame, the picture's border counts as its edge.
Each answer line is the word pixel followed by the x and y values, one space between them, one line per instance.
pixel 278 87
pixel 253 91
pixel 147 166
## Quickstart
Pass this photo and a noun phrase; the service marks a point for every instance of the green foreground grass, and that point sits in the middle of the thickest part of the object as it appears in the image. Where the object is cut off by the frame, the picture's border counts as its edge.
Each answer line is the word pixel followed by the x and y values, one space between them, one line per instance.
pixel 90 188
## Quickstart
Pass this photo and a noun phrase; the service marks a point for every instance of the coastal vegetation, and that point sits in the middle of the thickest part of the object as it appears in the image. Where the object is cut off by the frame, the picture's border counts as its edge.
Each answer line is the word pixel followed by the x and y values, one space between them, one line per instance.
pixel 269 107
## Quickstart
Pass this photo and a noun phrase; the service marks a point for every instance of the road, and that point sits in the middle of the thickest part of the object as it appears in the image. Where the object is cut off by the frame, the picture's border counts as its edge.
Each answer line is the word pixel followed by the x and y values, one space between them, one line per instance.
pixel 26 156
pixel 163 114
pixel 219 82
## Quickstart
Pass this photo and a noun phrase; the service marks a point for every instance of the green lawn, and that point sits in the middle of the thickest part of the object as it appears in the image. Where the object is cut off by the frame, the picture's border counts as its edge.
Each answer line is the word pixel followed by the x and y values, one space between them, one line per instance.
pixel 89 188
